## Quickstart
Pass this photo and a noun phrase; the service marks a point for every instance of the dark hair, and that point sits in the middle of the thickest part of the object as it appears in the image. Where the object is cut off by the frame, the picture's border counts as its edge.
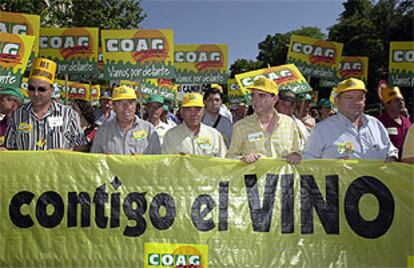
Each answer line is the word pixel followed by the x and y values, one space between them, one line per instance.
pixel 212 91
pixel 87 111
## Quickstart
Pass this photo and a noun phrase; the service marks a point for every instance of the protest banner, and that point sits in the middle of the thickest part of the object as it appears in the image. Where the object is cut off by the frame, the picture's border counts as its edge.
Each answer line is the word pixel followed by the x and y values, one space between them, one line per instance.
pixel 22 24
pixel 163 210
pixel 286 77
pixel 201 64
pixel 95 93
pixel 75 90
pixel 138 54
pixel 15 51
pixel 236 95
pixel 313 57
pixel 401 64
pixel 349 66
pixel 75 50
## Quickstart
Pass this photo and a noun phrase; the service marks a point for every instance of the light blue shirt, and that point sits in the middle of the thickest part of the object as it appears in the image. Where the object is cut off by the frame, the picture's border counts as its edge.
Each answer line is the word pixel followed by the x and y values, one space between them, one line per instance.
pixel 337 137
pixel 225 126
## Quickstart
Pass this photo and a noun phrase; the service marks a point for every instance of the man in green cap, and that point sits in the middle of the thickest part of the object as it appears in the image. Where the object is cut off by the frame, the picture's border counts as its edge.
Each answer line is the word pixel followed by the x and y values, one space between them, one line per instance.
pixel 303 105
pixel 155 108
pixel 10 100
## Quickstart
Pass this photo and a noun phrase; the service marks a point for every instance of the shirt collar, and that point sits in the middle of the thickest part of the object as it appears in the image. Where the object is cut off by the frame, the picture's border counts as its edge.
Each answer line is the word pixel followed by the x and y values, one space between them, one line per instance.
pixel 348 122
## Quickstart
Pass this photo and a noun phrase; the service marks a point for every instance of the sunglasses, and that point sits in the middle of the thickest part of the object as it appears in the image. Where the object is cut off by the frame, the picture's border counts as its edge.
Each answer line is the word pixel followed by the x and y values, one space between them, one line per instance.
pixel 40 89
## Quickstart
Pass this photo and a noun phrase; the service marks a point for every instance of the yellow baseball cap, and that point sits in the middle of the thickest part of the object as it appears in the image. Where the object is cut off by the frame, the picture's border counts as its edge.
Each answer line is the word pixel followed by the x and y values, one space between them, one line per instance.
pixel 123 93
pixel 217 86
pixel 351 84
pixel 192 100
pixel 388 94
pixel 266 85
pixel 43 69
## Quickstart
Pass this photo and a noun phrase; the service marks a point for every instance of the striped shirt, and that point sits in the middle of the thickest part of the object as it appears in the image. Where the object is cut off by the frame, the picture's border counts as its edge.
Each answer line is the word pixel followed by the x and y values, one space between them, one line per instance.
pixel 250 137
pixel 141 138
pixel 58 129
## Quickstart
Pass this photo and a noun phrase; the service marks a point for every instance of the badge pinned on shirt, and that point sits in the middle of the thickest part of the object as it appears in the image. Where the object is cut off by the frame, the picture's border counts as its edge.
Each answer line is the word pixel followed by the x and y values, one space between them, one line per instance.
pixel 392 131
pixel 346 148
pixel 258 136
pixel 25 128
pixel 140 135
pixel 55 121
pixel 204 142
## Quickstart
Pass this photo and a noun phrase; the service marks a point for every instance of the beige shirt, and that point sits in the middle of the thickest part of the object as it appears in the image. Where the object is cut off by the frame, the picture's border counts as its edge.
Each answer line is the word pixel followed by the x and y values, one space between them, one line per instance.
pixel 249 136
pixel 207 142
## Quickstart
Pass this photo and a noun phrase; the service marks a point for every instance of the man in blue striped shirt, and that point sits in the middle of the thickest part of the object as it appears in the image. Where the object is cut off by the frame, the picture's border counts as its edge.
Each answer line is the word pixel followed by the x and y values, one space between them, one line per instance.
pixel 43 124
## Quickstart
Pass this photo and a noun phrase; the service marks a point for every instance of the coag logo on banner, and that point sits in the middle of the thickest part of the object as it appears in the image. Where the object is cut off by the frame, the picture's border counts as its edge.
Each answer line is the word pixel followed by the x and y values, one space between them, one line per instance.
pixel 403 56
pixel 175 255
pixel 353 67
pixel 145 46
pixel 73 42
pixel 15 24
pixel 319 52
pixel 206 57
pixel 11 51
pixel 22 24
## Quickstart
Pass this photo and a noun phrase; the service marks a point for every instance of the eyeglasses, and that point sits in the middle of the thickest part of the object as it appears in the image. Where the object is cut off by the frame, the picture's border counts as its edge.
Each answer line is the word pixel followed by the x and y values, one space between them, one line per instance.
pixel 40 89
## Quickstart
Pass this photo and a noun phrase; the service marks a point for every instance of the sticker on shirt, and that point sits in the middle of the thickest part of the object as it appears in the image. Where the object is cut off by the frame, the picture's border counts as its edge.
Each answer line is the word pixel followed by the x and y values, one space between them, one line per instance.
pixel 2 140
pixel 346 148
pixel 204 143
pixel 25 128
pixel 258 136
pixel 392 131
pixel 140 135
pixel 55 121
pixel 41 143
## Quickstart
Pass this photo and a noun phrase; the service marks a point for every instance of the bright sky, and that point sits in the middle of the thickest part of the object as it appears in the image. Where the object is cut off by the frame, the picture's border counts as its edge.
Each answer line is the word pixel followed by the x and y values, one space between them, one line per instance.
pixel 239 24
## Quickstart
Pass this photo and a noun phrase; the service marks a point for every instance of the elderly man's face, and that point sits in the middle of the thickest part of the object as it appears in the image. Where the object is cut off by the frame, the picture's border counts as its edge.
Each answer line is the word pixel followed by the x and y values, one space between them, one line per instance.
pixel 125 110
pixel 40 93
pixel 192 116
pixel 396 105
pixel 351 103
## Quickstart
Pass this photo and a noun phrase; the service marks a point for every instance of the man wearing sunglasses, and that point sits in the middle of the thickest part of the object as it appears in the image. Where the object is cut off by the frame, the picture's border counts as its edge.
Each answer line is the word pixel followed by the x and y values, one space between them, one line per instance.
pixel 43 124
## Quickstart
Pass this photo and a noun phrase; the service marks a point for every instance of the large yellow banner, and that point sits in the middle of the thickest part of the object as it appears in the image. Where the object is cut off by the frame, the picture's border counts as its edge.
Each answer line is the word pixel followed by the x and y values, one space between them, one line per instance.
pixel 401 64
pixel 201 64
pixel 22 24
pixel 15 51
pixel 138 54
pixel 313 57
pixel 286 77
pixel 73 209
pixel 74 49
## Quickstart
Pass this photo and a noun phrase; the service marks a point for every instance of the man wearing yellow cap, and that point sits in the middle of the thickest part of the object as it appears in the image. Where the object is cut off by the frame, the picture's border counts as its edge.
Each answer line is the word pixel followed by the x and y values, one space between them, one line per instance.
pixel 43 124
pixel 266 133
pixel 350 133
pixel 396 124
pixel 192 136
pixel 126 134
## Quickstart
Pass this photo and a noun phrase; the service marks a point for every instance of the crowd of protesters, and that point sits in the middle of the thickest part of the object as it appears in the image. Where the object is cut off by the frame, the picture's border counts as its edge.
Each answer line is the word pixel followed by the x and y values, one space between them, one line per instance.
pixel 276 124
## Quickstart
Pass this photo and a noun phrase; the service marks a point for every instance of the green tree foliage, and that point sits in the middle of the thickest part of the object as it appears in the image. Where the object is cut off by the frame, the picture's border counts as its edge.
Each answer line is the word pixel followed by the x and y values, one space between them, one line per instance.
pixel 366 29
pixel 273 50
pixel 105 14
pixel 243 65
